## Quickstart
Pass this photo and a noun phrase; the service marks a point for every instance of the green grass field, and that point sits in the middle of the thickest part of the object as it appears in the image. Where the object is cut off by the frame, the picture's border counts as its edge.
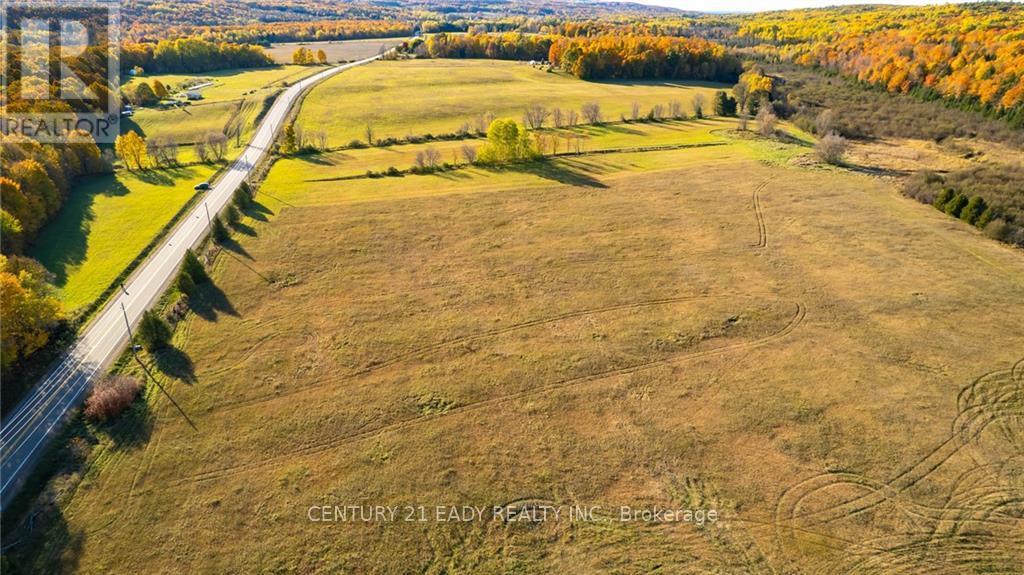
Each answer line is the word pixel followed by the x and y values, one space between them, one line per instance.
pixel 438 96
pixel 106 222
pixel 235 99
pixel 827 365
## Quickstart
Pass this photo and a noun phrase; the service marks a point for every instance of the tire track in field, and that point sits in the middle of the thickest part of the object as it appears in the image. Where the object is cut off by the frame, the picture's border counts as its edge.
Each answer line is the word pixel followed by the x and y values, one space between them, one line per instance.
pixel 444 344
pixel 343 439
pixel 992 397
pixel 967 426
pixel 762 230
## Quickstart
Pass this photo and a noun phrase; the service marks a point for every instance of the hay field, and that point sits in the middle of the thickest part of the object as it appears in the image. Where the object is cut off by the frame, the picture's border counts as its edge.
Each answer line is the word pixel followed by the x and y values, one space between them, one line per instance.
pixel 438 96
pixel 824 363
pixel 831 368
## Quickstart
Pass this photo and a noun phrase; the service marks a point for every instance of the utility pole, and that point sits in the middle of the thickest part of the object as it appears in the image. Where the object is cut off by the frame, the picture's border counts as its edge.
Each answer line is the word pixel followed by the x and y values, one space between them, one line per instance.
pixel 208 220
pixel 131 338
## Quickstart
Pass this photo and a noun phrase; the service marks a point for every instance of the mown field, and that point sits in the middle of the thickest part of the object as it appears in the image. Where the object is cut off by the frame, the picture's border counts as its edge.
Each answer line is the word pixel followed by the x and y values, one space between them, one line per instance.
pixel 828 365
pixel 106 222
pixel 439 96
pixel 337 51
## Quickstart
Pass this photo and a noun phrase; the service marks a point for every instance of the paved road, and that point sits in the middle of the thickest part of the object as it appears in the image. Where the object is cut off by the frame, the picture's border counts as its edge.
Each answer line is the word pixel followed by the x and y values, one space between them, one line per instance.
pixel 41 414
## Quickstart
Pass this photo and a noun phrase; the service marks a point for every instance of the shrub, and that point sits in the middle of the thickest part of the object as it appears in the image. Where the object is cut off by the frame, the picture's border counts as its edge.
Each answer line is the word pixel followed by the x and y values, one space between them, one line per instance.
pixel 943 198
pixel 154 333
pixel 220 231
pixel 110 396
pixel 973 210
pixel 194 268
pixel 393 171
pixel 956 205
pixel 831 148
pixel 356 144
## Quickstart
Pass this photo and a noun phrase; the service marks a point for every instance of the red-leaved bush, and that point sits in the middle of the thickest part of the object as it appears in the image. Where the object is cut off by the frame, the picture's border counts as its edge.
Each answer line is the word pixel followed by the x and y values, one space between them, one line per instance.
pixel 110 396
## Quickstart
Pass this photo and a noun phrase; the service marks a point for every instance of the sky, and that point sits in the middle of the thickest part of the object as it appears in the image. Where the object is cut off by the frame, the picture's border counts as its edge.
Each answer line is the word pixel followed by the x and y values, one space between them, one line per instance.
pixel 759 5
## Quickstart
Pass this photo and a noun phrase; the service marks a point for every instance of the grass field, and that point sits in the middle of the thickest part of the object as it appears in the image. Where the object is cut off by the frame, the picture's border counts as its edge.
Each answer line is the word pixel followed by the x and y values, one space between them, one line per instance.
pixel 438 96
pixel 337 51
pixel 830 367
pixel 106 222
pixel 235 98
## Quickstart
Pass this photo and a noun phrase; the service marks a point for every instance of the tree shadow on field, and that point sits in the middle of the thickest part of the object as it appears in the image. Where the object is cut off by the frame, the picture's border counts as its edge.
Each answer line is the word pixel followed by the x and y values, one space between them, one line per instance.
pixel 62 244
pixel 561 173
pixel 155 177
pixel 209 301
pixel 175 363
pixel 244 229
pixel 605 129
pixel 233 246
pixel 257 211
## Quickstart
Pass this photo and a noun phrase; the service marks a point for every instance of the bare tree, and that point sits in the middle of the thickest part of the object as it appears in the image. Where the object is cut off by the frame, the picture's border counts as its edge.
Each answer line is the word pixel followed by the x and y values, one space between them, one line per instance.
pixel 572 118
pixel 217 144
pixel 421 159
pixel 321 139
pixel 535 116
pixel 831 148
pixel 153 151
pixel 432 157
pixel 657 112
pixel 744 120
pixel 483 121
pixel 825 123
pixel 592 112
pixel 463 129
pixel 766 119
pixel 634 111
pixel 675 109
pixel 201 152
pixel 699 103
pixel 369 133
pixel 557 117
pixel 469 154
pixel 300 137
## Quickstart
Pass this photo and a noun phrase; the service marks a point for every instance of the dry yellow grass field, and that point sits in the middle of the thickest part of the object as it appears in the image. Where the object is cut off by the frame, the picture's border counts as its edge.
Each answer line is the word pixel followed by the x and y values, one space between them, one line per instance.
pixel 834 369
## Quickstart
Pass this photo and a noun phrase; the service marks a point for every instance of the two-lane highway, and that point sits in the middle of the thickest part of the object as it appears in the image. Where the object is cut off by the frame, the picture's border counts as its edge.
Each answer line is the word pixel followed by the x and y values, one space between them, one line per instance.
pixel 41 414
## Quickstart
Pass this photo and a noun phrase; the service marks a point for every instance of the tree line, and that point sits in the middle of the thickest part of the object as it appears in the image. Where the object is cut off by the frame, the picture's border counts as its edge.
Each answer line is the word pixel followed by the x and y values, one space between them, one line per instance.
pixel 607 56
pixel 191 55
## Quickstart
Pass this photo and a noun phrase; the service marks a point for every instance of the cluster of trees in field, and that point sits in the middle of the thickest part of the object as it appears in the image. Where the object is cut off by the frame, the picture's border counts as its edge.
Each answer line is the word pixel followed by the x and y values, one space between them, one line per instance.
pixel 191 55
pixel 138 153
pixel 305 56
pixel 986 196
pixel 607 56
pixel 972 55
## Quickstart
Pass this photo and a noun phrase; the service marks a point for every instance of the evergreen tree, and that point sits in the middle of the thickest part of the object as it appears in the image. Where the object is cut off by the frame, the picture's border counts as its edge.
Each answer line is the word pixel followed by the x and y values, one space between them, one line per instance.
pixel 194 268
pixel 154 332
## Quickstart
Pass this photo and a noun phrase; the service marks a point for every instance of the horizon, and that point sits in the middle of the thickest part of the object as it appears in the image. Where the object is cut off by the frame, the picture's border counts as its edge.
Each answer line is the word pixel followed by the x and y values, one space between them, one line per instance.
pixel 751 6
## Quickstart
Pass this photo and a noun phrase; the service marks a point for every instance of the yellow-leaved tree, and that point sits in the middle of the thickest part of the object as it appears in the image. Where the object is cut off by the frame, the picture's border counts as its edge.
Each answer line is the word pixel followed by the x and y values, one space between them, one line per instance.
pixel 28 309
